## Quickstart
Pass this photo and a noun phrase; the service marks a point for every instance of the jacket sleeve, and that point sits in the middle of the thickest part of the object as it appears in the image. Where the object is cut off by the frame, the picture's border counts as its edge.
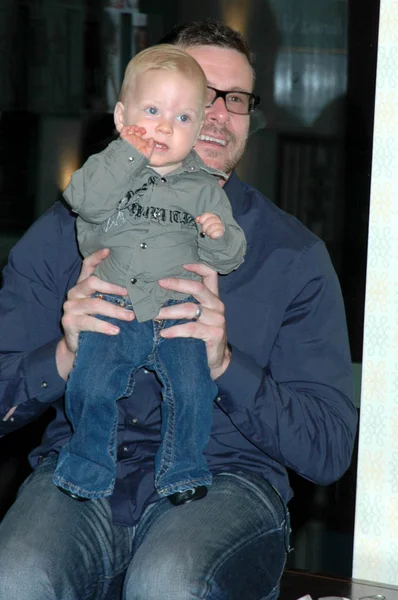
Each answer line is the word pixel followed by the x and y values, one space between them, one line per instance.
pixel 227 252
pixel 299 407
pixel 98 186
pixel 30 313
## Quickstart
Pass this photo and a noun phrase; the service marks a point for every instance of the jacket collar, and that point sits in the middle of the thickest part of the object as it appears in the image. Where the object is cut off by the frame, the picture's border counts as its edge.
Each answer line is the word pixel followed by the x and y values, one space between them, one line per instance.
pixel 238 194
pixel 193 163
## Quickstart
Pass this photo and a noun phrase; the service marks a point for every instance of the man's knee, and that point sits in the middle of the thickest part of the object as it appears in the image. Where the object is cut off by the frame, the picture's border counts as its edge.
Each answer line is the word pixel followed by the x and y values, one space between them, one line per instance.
pixel 25 577
pixel 169 575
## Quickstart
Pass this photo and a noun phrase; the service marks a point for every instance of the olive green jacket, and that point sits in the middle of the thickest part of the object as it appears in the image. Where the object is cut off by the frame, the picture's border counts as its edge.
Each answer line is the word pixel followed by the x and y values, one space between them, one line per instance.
pixel 148 222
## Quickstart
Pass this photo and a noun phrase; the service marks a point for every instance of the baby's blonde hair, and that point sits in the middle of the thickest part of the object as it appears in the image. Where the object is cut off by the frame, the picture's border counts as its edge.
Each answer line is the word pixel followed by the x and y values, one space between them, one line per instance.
pixel 164 57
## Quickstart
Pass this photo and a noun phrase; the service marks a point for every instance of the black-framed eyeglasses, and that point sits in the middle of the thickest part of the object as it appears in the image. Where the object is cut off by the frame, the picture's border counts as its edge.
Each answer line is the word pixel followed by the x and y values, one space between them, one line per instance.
pixel 239 103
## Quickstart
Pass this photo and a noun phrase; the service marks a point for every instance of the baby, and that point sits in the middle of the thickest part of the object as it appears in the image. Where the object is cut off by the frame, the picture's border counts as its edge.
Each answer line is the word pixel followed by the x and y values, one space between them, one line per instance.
pixel 151 200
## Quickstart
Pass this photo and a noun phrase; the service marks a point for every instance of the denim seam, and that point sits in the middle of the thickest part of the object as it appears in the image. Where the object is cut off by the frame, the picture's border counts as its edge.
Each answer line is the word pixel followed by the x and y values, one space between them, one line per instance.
pixel 112 441
pixel 158 326
pixel 83 492
pixel 168 439
pixel 168 444
pixel 130 383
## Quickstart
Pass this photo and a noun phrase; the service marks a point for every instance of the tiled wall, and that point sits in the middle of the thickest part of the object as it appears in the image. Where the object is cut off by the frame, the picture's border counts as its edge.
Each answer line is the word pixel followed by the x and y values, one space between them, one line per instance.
pixel 376 527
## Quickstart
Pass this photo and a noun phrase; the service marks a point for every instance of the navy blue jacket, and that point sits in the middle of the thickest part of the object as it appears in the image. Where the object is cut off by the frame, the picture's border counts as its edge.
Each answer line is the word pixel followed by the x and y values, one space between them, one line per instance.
pixel 285 400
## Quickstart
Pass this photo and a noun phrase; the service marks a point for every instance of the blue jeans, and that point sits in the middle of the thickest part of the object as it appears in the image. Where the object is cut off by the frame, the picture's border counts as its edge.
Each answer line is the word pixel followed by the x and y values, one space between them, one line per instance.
pixel 103 373
pixel 231 545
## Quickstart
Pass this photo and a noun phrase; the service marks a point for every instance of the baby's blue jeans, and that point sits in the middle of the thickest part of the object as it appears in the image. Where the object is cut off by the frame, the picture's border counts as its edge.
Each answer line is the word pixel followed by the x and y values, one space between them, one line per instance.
pixel 103 373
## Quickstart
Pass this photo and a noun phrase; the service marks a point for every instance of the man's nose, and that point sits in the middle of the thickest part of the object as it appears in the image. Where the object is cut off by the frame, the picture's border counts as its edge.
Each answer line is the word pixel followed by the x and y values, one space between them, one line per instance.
pixel 218 111
pixel 165 126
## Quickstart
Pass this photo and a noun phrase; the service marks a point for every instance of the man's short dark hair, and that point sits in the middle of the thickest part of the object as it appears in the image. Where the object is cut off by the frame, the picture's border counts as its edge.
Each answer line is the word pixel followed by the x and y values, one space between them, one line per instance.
pixel 210 32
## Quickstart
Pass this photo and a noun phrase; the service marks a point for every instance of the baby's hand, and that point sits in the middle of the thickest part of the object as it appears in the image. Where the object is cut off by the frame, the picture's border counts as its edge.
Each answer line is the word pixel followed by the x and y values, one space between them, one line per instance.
pixel 211 225
pixel 133 135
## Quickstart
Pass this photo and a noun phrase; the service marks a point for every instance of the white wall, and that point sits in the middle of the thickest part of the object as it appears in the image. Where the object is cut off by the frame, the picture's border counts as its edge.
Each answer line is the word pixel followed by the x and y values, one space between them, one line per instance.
pixel 376 526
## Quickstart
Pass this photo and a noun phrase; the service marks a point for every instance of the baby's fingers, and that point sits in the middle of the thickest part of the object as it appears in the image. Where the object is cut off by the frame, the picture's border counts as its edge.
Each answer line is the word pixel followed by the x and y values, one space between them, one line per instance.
pixel 138 130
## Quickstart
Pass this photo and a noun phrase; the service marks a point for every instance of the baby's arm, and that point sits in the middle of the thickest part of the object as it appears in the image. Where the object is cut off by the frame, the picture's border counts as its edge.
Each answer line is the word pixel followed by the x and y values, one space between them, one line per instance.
pixel 96 189
pixel 221 242
pixel 133 135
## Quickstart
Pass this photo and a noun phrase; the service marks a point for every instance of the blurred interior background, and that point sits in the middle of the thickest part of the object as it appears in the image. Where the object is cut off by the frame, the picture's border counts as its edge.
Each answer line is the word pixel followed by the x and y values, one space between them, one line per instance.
pixel 310 151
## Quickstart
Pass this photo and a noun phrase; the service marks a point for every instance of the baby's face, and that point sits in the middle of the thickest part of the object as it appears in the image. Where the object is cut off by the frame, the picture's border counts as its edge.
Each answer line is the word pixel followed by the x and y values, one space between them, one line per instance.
pixel 170 108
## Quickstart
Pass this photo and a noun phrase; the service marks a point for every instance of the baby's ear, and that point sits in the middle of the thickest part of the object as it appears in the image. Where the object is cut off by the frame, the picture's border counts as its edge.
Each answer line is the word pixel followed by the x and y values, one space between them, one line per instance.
pixel 118 116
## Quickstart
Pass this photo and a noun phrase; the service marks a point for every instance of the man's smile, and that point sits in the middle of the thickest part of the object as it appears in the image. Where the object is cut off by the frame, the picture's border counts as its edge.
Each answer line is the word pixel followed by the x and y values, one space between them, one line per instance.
pixel 211 139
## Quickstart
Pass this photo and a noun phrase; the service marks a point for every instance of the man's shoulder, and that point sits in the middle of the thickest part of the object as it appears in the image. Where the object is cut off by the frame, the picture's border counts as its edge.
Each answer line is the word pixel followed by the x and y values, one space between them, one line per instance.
pixel 282 241
pixel 56 220
pixel 279 227
pixel 52 233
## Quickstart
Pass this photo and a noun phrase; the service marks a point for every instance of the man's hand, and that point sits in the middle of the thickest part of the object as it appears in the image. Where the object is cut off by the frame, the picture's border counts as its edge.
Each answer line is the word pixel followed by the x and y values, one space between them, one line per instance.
pixel 212 225
pixel 80 307
pixel 133 135
pixel 210 327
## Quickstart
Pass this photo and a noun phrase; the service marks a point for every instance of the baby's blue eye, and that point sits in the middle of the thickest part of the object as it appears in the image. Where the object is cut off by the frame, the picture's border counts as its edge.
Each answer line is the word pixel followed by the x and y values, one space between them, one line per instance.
pixel 152 110
pixel 184 118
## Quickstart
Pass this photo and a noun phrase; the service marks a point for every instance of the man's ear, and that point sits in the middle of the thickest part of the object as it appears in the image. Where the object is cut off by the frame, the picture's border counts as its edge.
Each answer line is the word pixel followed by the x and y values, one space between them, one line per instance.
pixel 118 116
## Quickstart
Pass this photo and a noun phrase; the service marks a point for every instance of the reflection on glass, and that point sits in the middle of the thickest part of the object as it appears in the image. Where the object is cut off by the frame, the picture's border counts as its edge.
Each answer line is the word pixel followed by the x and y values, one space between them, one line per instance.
pixel 311 65
pixel 306 83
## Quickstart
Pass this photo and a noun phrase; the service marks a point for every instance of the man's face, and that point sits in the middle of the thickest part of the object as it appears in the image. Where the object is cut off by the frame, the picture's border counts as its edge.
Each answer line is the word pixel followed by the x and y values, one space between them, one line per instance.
pixel 170 108
pixel 223 136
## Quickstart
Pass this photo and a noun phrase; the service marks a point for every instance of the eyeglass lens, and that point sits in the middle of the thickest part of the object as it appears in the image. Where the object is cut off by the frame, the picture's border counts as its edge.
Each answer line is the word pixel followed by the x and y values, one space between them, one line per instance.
pixel 235 102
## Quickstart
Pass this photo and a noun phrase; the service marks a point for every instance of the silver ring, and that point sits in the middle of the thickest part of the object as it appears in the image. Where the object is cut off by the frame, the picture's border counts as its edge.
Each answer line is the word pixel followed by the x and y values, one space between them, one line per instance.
pixel 198 313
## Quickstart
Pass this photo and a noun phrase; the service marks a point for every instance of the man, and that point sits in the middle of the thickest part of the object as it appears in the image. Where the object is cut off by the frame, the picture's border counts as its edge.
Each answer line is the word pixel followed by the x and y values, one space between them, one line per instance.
pixel 277 348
